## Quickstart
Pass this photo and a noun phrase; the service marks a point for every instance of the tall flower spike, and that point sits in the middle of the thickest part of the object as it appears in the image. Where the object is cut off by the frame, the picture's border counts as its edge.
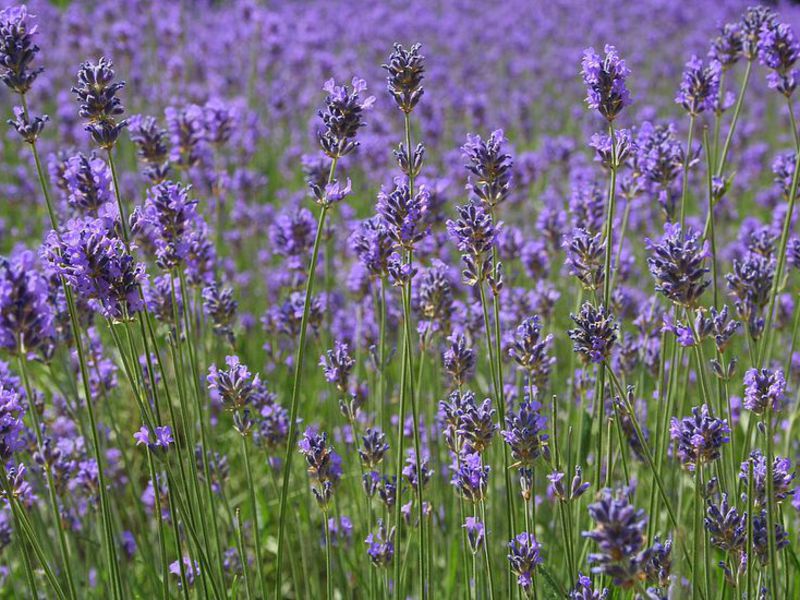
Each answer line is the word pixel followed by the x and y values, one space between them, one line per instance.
pixel 778 49
pixel 17 49
pixel 99 105
pixel 595 334
pixel 585 252
pixel 699 89
pixel 337 364
pixel 324 464
pixel 490 167
pixel 220 306
pixel 605 82
pixel 523 557
pixel 403 214
pixel 677 263
pixel 699 438
pixel 475 235
pixel 97 265
pixel 342 117
pixel 763 389
pixel 406 69
pixel 619 534
pixel 458 360
pixel 29 127
pixel 530 350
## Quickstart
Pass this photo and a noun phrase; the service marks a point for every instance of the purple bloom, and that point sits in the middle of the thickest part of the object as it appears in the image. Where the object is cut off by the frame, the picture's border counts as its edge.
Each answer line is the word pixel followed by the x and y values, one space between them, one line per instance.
pixel 27 317
pixel 406 69
pixel 677 263
pixel 151 146
pixel 475 235
pixel 699 90
pixel 337 364
pixel 727 528
pixel 470 476
pixel 699 438
pixel 605 82
pixel 403 214
pixel 764 389
pixel 726 48
pixel 374 448
pixel 524 433
pixel 29 127
pixel 12 426
pixel 595 333
pixel 476 533
pixel 523 558
pixel 191 570
pixel 169 221
pixel 380 545
pixel 373 245
pixel 490 166
pixel 220 306
pixel 324 464
pixel 17 49
pixel 99 105
pixel 458 360
pixel 783 476
pixel 583 590
pixel 585 257
pixel 97 265
pixel 342 117
pixel 161 437
pixel 778 49
pixel 234 386
pixel 89 185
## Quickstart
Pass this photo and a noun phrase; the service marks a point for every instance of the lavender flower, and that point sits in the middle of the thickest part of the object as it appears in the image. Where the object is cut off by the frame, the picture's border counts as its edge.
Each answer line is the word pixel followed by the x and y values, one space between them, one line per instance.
pixel 220 306
pixel 17 49
pixel 530 350
pixel 99 105
pixel 403 214
pixel 12 426
pixel 380 546
pixel 778 49
pixel 764 389
pixel 524 433
pixel 750 282
pixel 97 265
pixel 27 317
pixel 29 127
pixel 458 360
pixel 761 537
pixel 406 69
pixel 374 448
pixel 490 166
pixel 726 48
pixel 89 185
pixel 755 22
pixel 605 82
pixel 470 476
pixel 158 438
pixel 151 146
pixel 595 333
pixel 324 465
pixel 585 254
pixel 475 235
pixel 342 117
pixel 170 222
pixel 699 438
pixel 783 476
pixel 234 388
pixel 191 570
pixel 372 244
pixel 677 264
pixel 476 533
pixel 337 364
pixel 726 527
pixel 699 89
pixel 523 557
pixel 583 590
pixel 619 534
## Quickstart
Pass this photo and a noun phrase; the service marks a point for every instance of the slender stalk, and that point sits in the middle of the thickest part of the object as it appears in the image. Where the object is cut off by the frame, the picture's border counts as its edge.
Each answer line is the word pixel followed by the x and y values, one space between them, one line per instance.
pixel 294 402
pixel 328 569
pixel 254 509
pixel 686 159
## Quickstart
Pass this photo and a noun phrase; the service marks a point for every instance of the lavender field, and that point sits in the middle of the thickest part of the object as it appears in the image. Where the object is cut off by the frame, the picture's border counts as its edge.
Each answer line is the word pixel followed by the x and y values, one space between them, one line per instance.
pixel 423 299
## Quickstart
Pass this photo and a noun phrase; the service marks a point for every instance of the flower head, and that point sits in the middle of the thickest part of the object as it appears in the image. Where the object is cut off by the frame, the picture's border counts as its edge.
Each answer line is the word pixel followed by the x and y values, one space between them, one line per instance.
pixel 763 389
pixel 489 166
pixel 699 89
pixel 17 49
pixel 677 263
pixel 380 545
pixel 342 117
pixel 524 433
pixel 523 557
pixel 96 92
pixel 595 333
pixel 406 70
pixel 699 438
pixel 605 81
pixel 475 235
